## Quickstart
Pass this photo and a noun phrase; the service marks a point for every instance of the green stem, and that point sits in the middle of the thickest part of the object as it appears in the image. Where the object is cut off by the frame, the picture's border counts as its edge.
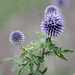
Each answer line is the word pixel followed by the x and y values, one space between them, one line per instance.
pixel 42 56
pixel 43 50
pixel 28 51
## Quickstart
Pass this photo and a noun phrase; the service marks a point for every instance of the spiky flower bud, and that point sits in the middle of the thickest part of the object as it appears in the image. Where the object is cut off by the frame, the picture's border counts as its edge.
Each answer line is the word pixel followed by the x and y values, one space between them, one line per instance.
pixel 51 9
pixel 52 24
pixel 16 37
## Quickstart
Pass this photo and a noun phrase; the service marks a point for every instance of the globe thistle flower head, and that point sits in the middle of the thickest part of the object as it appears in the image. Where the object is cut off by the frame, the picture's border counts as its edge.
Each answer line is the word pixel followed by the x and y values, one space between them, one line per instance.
pixel 52 24
pixel 16 37
pixel 50 9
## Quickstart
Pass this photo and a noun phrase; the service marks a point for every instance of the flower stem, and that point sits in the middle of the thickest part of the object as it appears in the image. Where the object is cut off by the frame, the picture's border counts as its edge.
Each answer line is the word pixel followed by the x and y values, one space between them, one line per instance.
pixel 42 56
pixel 28 51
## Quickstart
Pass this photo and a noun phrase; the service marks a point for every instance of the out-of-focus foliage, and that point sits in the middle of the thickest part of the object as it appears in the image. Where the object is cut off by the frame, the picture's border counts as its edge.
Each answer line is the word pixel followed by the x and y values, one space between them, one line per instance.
pixel 65 70
pixel 10 7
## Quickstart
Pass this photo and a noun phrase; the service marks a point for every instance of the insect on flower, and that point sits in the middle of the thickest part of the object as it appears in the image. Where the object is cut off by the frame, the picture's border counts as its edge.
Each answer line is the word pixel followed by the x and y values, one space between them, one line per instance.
pixel 42 15
pixel 50 8
pixel 52 24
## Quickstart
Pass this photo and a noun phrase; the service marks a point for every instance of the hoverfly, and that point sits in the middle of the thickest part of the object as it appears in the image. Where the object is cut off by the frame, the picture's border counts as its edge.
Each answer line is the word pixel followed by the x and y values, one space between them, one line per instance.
pixel 42 15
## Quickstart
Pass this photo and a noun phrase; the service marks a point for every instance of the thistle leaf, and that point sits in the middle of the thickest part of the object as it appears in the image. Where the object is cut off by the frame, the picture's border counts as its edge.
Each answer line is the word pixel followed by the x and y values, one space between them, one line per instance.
pixel 44 71
pixel 42 34
pixel 14 67
pixel 66 51
pixel 60 55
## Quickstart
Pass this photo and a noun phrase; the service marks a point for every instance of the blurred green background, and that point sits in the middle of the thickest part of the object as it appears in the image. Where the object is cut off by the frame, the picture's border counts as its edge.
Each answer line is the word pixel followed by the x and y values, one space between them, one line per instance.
pixel 24 15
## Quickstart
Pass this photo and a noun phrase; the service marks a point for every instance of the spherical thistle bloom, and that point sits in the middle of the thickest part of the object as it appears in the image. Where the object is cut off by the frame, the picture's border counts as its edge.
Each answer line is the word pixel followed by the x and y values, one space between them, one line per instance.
pixel 51 8
pixel 16 37
pixel 52 24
